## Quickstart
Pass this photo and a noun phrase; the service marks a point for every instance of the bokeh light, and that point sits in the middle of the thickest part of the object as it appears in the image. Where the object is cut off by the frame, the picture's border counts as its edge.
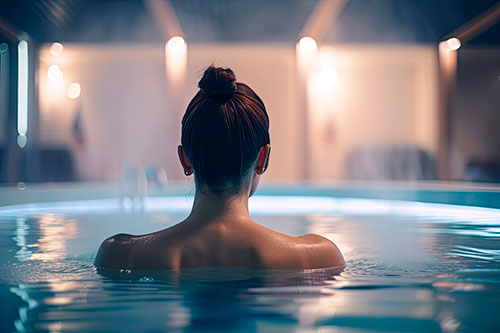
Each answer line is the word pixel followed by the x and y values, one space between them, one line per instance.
pixel 56 49
pixel 22 140
pixel 176 43
pixel 327 79
pixel 453 43
pixel 176 60
pixel 74 90
pixel 54 72
pixel 308 44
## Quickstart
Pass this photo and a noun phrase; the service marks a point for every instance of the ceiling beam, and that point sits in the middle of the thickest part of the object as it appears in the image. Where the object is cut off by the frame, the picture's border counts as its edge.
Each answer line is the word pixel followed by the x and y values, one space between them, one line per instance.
pixel 477 25
pixel 322 16
pixel 9 31
pixel 164 16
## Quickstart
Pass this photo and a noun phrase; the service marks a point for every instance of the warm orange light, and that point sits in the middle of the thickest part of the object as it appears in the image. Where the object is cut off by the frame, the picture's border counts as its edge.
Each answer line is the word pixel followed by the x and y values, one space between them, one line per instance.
pixel 176 43
pixel 176 59
pixel 54 72
pixel 56 49
pixel 308 44
pixel 74 90
pixel 327 79
pixel 306 51
pixel 453 43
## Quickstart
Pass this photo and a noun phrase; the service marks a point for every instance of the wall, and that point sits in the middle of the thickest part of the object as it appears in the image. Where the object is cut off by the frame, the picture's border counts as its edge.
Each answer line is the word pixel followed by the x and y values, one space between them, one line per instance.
pixel 383 95
pixel 476 109
pixel 127 111
pixel 123 106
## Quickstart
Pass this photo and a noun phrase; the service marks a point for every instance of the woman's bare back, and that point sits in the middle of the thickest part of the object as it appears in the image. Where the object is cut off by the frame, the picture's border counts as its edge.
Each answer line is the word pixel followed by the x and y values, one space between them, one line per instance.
pixel 226 147
pixel 240 243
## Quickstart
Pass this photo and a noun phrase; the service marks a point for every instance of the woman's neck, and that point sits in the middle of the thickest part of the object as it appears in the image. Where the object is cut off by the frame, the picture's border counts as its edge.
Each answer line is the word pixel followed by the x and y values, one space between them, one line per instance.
pixel 209 207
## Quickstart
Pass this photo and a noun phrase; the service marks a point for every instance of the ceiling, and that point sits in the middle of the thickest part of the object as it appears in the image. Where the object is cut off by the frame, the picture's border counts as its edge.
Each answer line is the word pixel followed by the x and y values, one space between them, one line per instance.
pixel 360 21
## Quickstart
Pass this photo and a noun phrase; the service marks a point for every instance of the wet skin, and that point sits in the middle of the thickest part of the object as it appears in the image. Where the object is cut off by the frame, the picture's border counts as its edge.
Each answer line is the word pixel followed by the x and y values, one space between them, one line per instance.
pixel 219 232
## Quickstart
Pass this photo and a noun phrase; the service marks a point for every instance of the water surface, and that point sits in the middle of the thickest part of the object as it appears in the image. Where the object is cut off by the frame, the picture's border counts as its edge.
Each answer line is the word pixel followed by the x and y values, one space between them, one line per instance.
pixel 410 268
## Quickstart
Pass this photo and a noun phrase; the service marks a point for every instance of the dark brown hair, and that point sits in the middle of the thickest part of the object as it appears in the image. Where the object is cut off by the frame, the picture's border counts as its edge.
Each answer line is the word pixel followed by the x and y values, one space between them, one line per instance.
pixel 223 129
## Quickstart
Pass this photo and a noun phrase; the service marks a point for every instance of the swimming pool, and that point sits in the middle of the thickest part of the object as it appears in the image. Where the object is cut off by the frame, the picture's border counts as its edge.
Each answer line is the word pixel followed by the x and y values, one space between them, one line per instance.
pixel 411 266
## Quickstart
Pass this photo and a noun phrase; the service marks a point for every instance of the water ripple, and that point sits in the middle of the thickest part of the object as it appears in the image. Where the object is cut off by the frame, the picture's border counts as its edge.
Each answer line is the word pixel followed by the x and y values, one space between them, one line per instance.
pixel 476 253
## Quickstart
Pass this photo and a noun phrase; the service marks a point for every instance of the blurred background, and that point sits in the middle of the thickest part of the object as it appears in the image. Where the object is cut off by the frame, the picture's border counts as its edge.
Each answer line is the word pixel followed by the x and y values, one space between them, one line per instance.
pixel 355 89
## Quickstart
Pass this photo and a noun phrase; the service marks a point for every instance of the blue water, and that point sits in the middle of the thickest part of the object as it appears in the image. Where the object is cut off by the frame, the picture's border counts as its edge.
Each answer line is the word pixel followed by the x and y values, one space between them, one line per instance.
pixel 411 267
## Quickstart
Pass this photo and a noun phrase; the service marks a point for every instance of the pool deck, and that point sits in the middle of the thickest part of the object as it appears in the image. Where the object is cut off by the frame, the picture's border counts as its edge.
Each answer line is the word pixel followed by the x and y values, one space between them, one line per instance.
pixel 469 194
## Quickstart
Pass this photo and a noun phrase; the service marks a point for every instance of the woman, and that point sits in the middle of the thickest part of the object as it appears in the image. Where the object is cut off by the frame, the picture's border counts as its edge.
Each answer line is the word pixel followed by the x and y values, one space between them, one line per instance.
pixel 225 144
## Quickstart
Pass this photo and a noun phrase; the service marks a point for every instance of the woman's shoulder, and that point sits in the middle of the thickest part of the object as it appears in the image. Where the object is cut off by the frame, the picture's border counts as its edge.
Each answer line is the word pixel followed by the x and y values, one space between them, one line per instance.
pixel 137 252
pixel 320 252
pixel 303 252
pixel 114 251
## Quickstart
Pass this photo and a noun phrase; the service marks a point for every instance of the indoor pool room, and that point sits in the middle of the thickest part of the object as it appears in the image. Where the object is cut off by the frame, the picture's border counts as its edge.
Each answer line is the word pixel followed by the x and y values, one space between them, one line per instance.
pixel 250 166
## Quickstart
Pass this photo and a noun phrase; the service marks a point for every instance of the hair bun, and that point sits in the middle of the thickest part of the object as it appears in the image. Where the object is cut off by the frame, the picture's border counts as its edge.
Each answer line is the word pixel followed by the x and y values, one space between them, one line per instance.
pixel 218 81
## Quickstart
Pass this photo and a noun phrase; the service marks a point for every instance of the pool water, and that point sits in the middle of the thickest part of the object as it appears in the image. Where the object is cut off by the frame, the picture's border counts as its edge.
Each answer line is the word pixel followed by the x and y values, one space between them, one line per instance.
pixel 411 267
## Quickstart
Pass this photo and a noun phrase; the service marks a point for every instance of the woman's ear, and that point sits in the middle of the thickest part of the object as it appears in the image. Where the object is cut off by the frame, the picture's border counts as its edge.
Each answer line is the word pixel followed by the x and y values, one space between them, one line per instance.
pixel 267 159
pixel 188 170
pixel 263 159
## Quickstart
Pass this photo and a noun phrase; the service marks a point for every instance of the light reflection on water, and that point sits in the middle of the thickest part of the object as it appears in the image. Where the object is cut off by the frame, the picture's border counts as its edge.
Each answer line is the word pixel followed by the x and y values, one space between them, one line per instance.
pixel 405 273
pixel 54 231
pixel 22 229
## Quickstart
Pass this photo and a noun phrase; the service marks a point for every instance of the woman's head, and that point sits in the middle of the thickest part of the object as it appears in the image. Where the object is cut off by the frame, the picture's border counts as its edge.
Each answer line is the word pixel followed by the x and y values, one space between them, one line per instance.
pixel 224 130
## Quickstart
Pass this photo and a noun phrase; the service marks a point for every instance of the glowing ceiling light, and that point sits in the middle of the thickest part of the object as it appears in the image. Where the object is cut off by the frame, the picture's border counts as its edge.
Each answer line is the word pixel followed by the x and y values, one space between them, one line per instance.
pixel 74 90
pixel 176 59
pixel 54 72
pixel 176 43
pixel 308 44
pixel 453 43
pixel 56 49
